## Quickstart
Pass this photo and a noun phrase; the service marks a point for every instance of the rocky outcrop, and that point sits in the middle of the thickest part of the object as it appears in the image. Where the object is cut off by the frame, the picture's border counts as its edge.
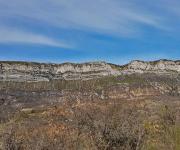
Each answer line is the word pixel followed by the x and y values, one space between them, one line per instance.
pixel 161 66
pixel 24 71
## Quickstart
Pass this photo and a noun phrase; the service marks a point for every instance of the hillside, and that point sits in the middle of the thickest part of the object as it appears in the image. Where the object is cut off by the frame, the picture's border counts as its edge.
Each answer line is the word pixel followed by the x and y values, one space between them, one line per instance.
pixel 93 106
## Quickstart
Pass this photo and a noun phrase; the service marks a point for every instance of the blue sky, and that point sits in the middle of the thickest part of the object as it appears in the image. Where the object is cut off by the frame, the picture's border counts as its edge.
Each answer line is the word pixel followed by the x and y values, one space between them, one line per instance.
pixel 116 31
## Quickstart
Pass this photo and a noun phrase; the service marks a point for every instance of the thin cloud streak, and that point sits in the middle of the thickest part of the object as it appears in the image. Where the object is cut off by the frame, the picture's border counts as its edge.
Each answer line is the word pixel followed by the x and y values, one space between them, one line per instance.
pixel 111 17
pixel 13 36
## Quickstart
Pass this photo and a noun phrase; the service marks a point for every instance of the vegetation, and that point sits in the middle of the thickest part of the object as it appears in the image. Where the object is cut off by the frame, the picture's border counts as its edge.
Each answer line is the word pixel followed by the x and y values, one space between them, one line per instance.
pixel 98 125
pixel 137 121
pixel 77 84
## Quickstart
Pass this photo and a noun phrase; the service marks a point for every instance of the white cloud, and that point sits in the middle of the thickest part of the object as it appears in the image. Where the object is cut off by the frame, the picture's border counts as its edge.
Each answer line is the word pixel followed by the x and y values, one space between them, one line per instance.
pixel 9 35
pixel 115 17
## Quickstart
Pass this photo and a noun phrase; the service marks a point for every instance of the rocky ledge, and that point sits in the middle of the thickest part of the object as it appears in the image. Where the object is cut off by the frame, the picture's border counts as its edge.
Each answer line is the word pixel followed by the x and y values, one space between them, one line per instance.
pixel 30 71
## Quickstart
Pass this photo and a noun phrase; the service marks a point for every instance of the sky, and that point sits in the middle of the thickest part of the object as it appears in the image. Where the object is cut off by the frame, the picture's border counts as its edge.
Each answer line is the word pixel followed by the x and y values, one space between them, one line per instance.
pixel 115 31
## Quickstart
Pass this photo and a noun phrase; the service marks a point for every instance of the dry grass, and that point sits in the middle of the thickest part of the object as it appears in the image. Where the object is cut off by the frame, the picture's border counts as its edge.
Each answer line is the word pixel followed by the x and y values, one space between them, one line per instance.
pixel 95 125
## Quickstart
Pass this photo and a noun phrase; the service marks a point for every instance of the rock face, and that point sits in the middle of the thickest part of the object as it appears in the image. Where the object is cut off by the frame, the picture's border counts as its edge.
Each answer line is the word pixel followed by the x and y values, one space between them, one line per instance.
pixel 161 67
pixel 24 71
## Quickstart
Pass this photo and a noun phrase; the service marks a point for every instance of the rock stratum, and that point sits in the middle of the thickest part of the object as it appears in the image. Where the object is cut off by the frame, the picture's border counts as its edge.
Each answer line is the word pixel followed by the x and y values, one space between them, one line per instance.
pixel 33 72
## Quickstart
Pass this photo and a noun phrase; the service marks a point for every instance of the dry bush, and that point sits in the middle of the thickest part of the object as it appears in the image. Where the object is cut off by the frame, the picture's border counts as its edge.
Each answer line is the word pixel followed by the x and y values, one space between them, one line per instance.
pixel 118 126
pixel 164 131
pixel 98 125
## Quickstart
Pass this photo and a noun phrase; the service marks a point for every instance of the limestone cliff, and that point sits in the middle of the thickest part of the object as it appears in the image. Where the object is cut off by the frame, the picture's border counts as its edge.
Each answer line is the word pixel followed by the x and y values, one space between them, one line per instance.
pixel 160 66
pixel 24 71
